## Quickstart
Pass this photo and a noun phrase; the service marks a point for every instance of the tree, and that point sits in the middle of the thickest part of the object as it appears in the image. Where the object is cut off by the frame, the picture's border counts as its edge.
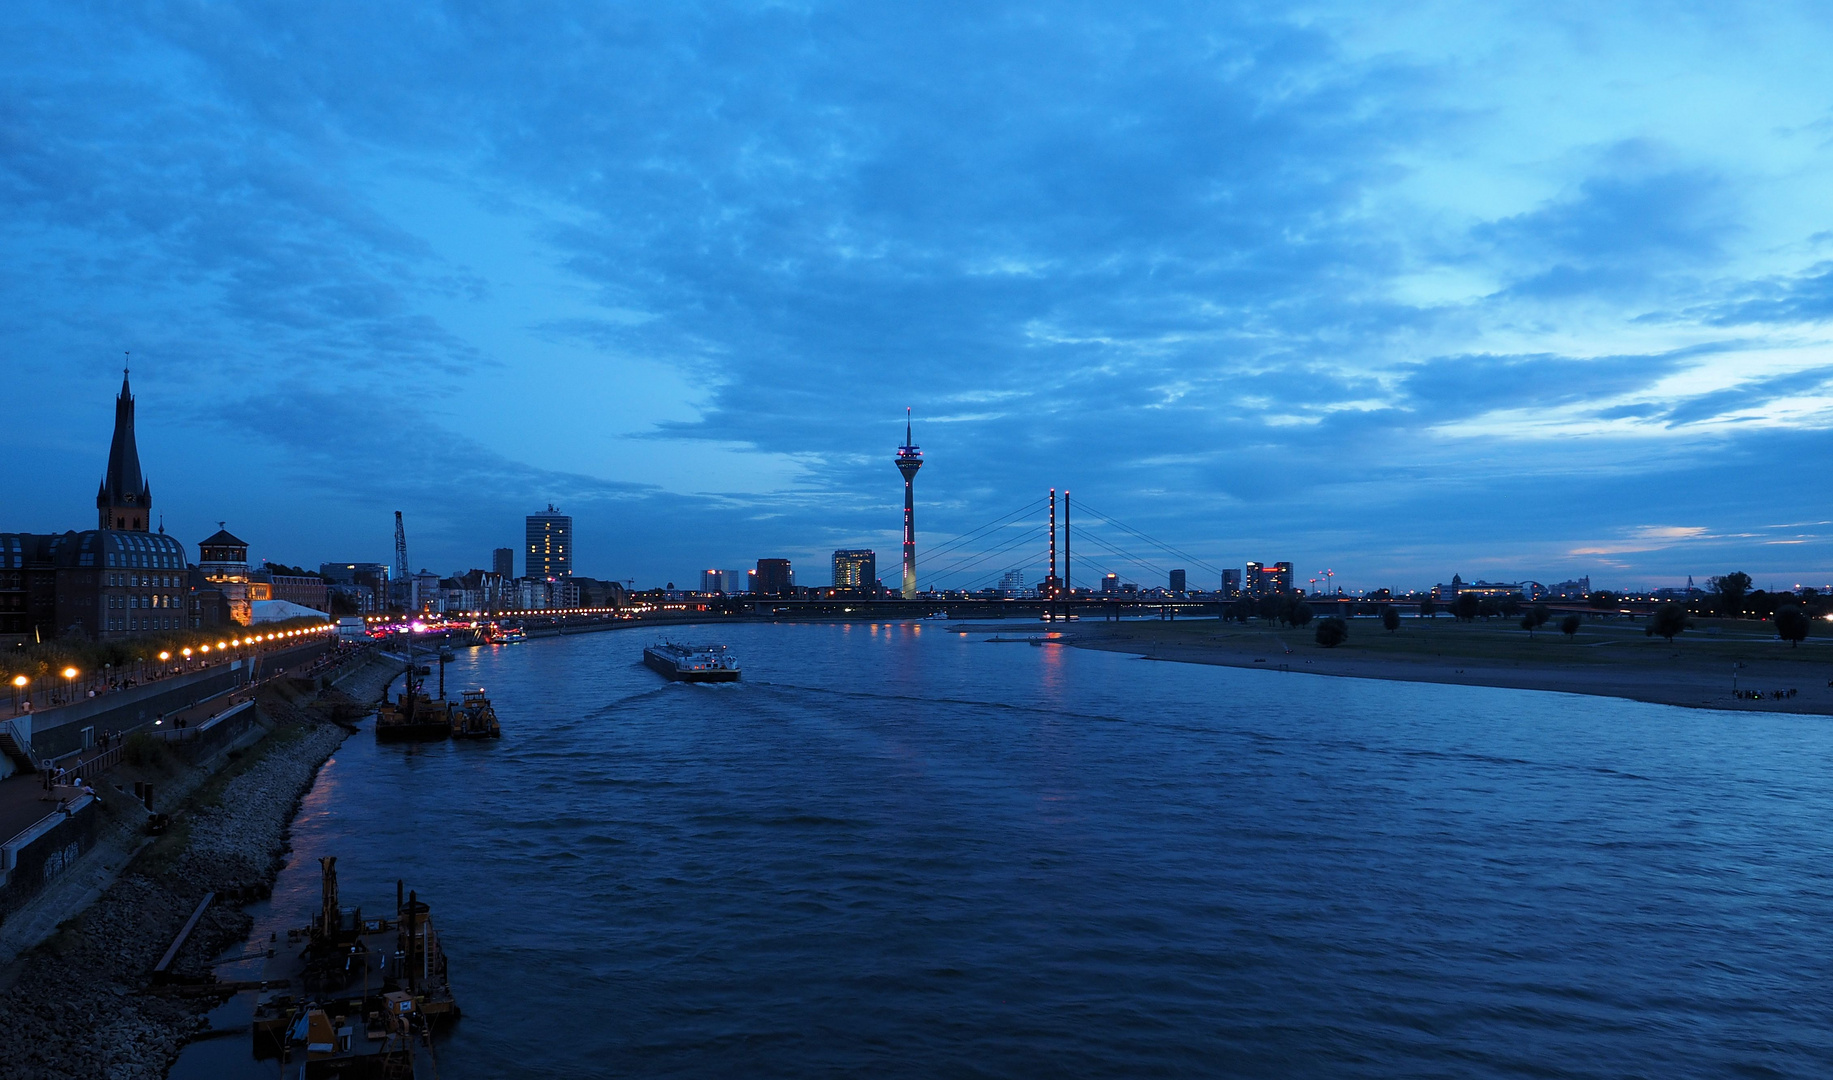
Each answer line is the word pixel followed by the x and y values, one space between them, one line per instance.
pixel 1267 608
pixel 1731 589
pixel 1488 608
pixel 1428 609
pixel 1540 613
pixel 1669 620
pixel 1468 606
pixel 1791 625
pixel 1332 632
pixel 1242 609
pixel 1390 619
pixel 1511 605
pixel 1569 625
pixel 1299 615
pixel 1527 623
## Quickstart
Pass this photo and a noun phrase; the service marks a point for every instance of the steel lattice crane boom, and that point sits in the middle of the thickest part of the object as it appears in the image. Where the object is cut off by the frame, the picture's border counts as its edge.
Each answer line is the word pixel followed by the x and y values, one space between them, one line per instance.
pixel 401 558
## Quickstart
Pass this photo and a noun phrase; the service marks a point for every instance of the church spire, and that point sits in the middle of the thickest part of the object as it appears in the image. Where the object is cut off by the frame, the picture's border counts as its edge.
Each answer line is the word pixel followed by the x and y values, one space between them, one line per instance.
pixel 124 500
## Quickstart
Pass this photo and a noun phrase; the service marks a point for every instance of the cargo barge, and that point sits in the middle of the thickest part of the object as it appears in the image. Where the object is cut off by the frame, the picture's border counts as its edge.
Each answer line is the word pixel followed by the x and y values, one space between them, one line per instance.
pixel 692 663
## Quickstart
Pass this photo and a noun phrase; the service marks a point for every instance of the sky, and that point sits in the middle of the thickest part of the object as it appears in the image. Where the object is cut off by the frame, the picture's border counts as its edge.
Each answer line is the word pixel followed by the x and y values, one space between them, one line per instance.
pixel 1400 290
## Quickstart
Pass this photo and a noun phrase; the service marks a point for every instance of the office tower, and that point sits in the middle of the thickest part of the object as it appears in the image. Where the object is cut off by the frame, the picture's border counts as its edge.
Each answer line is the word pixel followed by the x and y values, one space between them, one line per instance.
pixel 713 581
pixel 1177 581
pixel 774 577
pixel 855 568
pixel 503 563
pixel 1231 584
pixel 548 553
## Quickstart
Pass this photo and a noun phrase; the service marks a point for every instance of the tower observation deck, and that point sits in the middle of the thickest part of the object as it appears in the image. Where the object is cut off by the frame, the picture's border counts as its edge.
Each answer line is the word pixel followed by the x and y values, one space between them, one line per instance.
pixel 909 460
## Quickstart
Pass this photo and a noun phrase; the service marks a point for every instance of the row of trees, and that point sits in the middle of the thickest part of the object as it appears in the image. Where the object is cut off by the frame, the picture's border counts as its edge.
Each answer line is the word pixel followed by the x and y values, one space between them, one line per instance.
pixel 121 655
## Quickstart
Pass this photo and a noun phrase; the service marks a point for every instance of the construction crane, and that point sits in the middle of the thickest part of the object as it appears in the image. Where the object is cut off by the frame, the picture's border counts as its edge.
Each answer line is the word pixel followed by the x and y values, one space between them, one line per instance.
pixel 407 597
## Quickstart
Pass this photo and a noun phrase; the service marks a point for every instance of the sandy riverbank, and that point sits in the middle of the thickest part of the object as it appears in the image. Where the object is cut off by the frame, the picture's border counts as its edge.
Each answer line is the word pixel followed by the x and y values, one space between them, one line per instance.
pixel 80 1005
pixel 1603 659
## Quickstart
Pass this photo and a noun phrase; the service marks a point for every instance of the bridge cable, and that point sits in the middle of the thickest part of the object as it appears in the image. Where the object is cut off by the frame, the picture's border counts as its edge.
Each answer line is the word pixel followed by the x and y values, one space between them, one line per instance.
pixel 1180 553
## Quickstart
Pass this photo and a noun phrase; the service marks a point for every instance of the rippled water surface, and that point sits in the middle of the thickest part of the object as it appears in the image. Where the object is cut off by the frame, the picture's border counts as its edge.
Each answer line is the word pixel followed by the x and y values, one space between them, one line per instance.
pixel 898 850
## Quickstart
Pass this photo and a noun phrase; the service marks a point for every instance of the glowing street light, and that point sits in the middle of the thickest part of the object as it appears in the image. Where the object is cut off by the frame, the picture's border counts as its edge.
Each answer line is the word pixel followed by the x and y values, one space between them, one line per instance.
pixel 19 682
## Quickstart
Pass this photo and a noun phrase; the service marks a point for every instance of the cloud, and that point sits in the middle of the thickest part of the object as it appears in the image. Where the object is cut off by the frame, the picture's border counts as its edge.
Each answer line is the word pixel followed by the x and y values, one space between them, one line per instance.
pixel 1637 218
pixel 1228 271
pixel 1748 395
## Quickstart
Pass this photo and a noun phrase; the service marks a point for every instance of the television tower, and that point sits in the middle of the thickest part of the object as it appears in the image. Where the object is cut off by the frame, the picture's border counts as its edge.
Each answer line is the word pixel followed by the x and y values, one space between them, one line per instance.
pixel 909 460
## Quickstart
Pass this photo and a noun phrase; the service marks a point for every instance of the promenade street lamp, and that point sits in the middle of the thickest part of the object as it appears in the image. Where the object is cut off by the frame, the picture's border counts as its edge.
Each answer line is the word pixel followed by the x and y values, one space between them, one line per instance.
pixel 19 683
pixel 70 675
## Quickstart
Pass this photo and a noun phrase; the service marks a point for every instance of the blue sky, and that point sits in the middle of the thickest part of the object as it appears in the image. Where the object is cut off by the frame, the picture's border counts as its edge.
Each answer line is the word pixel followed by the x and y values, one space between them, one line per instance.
pixel 1400 290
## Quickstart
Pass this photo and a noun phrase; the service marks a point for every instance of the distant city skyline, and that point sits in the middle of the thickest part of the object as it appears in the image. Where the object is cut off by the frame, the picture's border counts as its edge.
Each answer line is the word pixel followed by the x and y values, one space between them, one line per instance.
pixel 1525 295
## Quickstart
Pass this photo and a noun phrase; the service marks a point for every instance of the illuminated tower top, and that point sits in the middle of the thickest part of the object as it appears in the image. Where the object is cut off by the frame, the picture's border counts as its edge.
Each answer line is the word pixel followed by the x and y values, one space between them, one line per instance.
pixel 909 457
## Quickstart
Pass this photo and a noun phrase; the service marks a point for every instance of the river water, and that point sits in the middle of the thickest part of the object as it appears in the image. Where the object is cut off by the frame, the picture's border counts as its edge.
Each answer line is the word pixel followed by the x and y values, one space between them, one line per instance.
pixel 896 850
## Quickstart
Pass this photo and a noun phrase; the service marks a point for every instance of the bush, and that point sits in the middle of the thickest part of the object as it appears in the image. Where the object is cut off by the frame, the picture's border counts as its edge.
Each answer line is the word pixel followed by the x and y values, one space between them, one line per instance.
pixel 142 751
pixel 1332 632
pixel 1300 615
pixel 1390 619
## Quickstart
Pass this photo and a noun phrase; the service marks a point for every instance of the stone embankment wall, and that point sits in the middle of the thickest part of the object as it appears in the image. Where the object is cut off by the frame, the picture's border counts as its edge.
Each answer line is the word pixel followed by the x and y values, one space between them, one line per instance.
pixel 80 1005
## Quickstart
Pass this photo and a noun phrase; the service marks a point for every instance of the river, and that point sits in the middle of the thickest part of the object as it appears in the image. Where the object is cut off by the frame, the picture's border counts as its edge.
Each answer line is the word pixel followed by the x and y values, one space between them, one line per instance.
pixel 897 850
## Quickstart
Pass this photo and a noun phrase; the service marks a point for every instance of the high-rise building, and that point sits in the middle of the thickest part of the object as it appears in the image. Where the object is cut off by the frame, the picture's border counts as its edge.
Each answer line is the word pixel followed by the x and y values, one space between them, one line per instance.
pixel 909 460
pixel 1012 583
pixel 1177 581
pixel 1231 584
pixel 1264 579
pixel 721 581
pixel 774 577
pixel 548 553
pixel 503 563
pixel 1110 583
pixel 855 568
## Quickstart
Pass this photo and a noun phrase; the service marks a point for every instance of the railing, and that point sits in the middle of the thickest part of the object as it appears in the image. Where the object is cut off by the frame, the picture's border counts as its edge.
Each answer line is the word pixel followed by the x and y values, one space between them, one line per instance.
pixel 92 769
pixel 21 743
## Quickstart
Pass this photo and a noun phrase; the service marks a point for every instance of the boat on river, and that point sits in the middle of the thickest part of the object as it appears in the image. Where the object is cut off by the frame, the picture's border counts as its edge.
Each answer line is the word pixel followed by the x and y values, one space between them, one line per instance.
pixel 474 717
pixel 692 663
pixel 498 634
pixel 354 995
pixel 413 717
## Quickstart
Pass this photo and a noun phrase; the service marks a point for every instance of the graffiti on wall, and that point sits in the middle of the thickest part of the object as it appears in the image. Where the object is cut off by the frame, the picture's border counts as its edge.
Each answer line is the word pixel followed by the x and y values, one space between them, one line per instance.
pixel 61 860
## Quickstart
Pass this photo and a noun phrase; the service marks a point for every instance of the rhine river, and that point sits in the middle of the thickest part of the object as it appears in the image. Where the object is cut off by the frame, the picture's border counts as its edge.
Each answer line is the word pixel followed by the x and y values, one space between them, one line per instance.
pixel 896 850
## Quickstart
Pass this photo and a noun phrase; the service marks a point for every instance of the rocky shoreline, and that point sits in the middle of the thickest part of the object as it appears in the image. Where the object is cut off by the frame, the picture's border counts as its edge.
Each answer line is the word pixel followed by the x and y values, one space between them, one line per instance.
pixel 80 1005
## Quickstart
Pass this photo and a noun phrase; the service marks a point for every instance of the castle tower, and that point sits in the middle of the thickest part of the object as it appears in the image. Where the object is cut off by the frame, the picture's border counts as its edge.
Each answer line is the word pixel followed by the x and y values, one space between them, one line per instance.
pixel 909 460
pixel 124 501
